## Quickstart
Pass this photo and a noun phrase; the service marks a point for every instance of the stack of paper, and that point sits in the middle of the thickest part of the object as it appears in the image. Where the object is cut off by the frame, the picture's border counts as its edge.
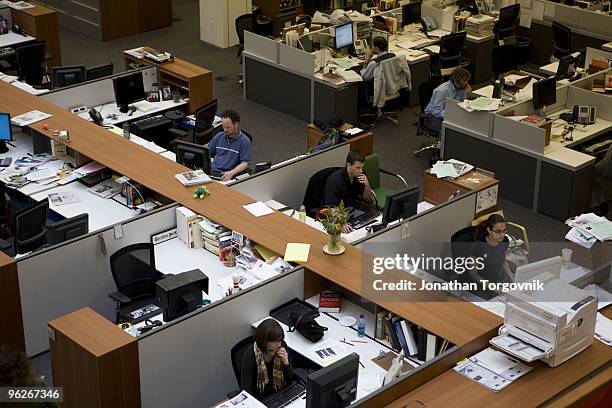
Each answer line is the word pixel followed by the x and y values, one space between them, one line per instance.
pixel 450 168
pixel 29 118
pixel 480 25
pixel 589 226
pixel 481 104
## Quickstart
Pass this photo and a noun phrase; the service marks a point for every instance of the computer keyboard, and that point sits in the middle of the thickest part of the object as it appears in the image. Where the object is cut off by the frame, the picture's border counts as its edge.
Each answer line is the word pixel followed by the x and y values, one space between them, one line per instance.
pixel 6 52
pixel 364 219
pixel 150 122
pixel 286 396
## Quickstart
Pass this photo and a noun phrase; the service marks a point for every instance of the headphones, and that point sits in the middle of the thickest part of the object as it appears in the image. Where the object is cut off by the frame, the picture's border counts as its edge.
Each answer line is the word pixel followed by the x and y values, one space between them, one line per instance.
pixel 96 116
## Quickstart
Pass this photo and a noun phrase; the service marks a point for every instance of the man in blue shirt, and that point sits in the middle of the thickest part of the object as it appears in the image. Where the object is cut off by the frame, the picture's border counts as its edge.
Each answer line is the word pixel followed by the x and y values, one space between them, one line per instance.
pixel 457 88
pixel 231 149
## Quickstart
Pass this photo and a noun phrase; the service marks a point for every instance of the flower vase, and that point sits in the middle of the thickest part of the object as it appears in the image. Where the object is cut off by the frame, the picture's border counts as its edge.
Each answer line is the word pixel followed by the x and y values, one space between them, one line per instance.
pixel 334 244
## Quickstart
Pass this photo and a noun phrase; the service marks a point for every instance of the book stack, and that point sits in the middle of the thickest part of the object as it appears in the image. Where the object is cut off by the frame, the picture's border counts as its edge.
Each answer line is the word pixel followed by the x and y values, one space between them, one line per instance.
pixel 188 228
pixel 215 237
pixel 330 302
pixel 404 336
pixel 479 25
pixel 133 194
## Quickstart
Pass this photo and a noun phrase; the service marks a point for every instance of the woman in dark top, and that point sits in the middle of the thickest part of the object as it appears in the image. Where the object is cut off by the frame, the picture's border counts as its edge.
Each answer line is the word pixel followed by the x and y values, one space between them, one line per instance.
pixel 265 366
pixel 491 244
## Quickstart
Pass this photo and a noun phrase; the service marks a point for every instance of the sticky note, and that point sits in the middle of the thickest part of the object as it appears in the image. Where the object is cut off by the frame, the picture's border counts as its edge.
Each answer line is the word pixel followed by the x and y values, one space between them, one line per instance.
pixel 297 252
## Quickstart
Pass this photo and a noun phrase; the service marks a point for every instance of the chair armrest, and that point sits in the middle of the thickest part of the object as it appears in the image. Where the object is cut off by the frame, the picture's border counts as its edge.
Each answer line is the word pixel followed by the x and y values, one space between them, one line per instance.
pixel 523 231
pixel 403 180
pixel 119 297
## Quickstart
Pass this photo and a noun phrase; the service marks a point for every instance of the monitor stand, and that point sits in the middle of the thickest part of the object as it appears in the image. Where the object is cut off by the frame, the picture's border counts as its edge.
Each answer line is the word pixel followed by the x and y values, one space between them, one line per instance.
pixel 3 147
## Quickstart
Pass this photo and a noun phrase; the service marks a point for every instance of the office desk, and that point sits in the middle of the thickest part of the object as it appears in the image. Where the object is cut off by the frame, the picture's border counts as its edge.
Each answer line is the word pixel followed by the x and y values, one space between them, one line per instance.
pixel 364 143
pixel 581 134
pixel 102 212
pixel 12 39
pixel 111 108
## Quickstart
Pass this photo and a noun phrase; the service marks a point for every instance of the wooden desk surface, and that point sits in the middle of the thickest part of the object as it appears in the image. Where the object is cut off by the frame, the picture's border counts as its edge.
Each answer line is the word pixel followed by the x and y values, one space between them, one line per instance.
pixel 460 323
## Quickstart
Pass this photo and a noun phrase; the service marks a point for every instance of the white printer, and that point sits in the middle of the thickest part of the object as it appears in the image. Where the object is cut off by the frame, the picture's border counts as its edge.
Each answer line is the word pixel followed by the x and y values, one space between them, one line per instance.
pixel 551 325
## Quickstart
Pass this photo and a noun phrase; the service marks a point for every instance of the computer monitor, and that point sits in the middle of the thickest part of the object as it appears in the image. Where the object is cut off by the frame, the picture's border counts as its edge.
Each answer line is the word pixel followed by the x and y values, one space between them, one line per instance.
pixel 180 294
pixel 401 205
pixel 344 35
pixel 525 273
pixel 99 71
pixel 128 89
pixel 411 13
pixel 305 43
pixel 468 5
pixel 6 134
pixel 66 76
pixel 564 69
pixel 193 155
pixel 68 229
pixel 544 94
pixel 334 386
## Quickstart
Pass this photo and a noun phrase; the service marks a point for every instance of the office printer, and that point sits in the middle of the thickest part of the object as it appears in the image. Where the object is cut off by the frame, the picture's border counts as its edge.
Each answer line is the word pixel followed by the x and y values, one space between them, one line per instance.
pixel 551 325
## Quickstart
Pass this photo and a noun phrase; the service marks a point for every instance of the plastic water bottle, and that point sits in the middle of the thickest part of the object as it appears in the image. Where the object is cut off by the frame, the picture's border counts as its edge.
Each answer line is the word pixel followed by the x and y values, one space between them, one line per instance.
pixel 126 130
pixel 302 213
pixel 361 326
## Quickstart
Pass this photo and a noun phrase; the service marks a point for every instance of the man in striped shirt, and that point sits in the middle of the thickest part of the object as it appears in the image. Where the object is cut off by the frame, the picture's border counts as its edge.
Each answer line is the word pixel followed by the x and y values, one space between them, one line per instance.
pixel 231 149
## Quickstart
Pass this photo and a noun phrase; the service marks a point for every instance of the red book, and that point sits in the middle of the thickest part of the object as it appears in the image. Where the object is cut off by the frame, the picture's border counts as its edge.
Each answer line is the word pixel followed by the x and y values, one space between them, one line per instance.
pixel 329 302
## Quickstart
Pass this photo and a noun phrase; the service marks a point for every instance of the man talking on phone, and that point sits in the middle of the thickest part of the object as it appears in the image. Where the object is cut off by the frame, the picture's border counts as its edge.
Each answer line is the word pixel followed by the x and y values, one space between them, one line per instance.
pixel 348 184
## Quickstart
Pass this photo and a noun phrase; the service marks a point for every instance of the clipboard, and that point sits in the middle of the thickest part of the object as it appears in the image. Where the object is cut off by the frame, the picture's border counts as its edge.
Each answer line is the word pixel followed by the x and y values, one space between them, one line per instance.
pixel 385 360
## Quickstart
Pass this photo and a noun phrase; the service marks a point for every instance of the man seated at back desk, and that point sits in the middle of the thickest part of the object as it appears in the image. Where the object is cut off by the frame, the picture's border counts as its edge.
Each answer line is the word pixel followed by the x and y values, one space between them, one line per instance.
pixel 457 88
pixel 372 58
pixel 348 184
pixel 231 148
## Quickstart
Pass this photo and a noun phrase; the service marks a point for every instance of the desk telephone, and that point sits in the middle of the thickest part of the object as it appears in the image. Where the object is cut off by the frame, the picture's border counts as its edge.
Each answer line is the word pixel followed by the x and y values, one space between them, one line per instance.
pixel 583 115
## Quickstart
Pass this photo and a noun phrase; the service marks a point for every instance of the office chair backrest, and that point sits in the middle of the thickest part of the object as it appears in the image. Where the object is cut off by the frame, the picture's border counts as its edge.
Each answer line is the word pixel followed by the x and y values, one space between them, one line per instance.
pixel 31 62
pixel 508 20
pixel 247 135
pixel 561 40
pixel 133 269
pixel 99 71
pixel 244 23
pixel 451 46
pixel 204 121
pixel 460 241
pixel 505 58
pixel 29 231
pixel 371 168
pixel 67 75
pixel 426 90
pixel 314 189
pixel 237 354
pixel 68 229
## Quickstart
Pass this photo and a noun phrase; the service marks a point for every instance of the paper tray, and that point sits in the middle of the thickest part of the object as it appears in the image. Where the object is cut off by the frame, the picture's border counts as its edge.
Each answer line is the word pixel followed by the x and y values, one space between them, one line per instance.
pixel 517 348
pixel 298 306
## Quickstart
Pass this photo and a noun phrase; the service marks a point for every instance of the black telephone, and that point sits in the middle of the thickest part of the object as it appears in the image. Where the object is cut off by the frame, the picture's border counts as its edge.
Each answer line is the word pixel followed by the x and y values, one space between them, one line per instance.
pixel 498 87
pixel 580 114
pixel 96 117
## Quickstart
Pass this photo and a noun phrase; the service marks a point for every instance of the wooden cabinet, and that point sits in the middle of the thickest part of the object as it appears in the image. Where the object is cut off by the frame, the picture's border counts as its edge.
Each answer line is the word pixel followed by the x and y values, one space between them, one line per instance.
pixel 192 80
pixel 41 22
pixel 364 143
pixel 97 369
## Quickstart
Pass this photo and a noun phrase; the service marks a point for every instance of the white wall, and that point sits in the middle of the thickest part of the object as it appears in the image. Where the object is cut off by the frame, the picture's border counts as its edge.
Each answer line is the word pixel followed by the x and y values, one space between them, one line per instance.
pixel 217 20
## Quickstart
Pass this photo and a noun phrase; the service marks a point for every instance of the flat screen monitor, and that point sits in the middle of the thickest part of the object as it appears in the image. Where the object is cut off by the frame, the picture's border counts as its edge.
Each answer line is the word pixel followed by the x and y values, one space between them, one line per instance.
pixel 68 229
pixel 180 294
pixel 305 43
pixel 401 205
pixel 411 13
pixel 128 89
pixel 564 68
pixel 344 35
pixel 544 93
pixel 334 386
pixel 67 76
pixel 193 155
pixel 6 134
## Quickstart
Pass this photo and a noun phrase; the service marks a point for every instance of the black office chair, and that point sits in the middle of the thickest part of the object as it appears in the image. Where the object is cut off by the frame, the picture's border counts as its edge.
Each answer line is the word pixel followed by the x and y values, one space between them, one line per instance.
pixel 65 230
pixel 203 130
pixel 134 273
pixel 243 23
pixel 505 32
pixel 451 53
pixel 562 43
pixel 314 190
pixel 67 75
pixel 461 248
pixel 28 230
pixel 5 219
pixel 426 90
pixel 237 354
pixel 504 59
pixel 31 63
pixel 99 71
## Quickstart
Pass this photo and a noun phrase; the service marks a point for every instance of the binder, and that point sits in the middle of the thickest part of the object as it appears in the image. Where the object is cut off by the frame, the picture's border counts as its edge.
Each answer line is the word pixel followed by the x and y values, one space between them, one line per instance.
pixel 422 344
pixel 400 335
pixel 412 346
pixel 393 339
pixel 431 346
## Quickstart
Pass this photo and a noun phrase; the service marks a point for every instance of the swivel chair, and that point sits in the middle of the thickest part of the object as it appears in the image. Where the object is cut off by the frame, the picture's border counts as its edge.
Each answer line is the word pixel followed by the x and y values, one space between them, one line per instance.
pixel 28 230
pixel 31 63
pixel 426 90
pixel 561 40
pixel 134 273
pixel 451 49
pixel 314 190
pixel 505 32
pixel 372 169
pixel 99 71
pixel 203 130
pixel 237 355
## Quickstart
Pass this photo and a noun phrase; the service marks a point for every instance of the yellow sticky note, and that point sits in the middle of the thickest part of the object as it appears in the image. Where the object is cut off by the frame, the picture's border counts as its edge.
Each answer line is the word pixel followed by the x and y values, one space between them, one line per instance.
pixel 297 252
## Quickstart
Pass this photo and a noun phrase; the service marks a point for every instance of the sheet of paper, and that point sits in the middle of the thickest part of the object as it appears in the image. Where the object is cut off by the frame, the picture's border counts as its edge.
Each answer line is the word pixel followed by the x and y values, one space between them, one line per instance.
pixel 29 118
pixel 41 174
pixel 343 63
pixel 571 275
pixel 433 48
pixel 444 170
pixel 424 206
pixel 258 209
pixel 8 78
pixel 89 168
pixel 447 20
pixel 511 79
pixel 329 351
pixel 526 16
pixel 242 400
pixel 538 10
pixel 493 360
pixel 296 252
pixel 275 205
pixel 603 329
pixel 604 298
pixel 349 75
pixel 63 198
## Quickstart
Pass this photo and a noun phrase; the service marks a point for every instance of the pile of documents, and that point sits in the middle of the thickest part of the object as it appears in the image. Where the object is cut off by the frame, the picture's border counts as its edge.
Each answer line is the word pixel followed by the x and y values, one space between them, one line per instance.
pixel 481 104
pixel 492 369
pixel 215 237
pixel 40 168
pixel 480 25
pixel 588 228
pixel 362 22
pixel 450 168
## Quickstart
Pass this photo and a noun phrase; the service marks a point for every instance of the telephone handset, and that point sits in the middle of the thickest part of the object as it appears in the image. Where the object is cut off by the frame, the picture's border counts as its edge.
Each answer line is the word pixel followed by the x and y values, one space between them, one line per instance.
pixel 359 46
pixel 498 87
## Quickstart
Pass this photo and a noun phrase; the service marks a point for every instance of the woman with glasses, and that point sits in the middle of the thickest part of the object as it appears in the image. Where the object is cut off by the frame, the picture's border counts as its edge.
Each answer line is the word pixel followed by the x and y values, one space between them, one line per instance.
pixel 265 366
pixel 490 244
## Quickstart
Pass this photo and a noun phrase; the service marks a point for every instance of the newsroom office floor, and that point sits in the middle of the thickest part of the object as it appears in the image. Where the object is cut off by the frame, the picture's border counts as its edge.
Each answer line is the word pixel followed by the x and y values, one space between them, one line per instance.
pixel 276 137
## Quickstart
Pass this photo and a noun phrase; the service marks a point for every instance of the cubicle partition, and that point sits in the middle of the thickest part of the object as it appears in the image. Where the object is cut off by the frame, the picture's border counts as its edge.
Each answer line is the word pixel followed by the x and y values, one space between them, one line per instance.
pixel 286 183
pixel 76 273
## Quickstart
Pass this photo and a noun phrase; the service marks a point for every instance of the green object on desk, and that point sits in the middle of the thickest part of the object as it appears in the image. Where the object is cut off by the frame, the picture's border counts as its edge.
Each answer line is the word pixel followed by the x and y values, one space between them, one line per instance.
pixel 344 63
pixel 201 193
